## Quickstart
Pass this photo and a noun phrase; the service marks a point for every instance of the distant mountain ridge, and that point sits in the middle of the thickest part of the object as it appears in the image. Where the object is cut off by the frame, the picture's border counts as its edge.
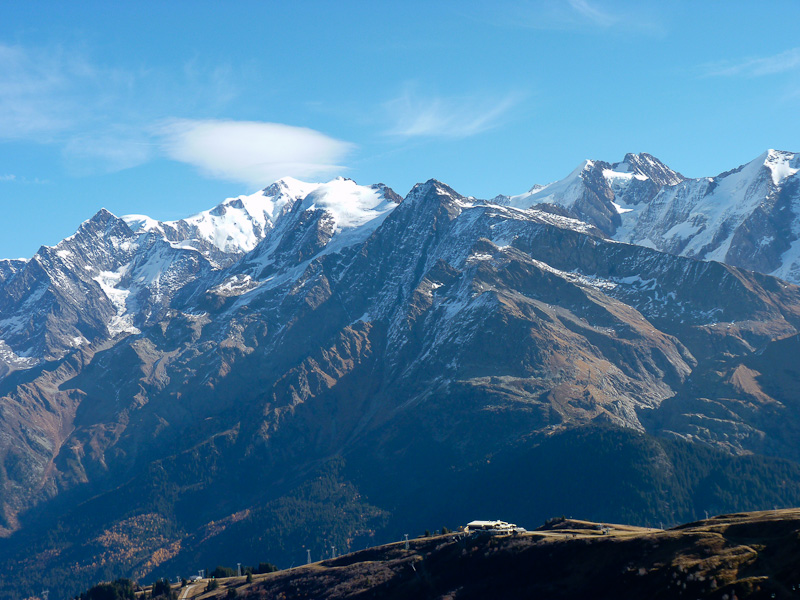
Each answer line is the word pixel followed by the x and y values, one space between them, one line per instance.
pixel 236 225
pixel 748 217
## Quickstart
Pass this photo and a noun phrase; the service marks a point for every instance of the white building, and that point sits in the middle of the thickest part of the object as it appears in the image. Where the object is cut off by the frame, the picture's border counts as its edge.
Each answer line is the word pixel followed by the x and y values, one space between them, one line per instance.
pixel 496 527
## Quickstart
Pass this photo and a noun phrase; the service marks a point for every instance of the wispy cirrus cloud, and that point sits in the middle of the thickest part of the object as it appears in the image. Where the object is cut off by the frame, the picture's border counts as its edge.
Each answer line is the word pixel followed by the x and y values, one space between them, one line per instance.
pixel 99 116
pixel 783 62
pixel 574 15
pixel 35 92
pixel 103 119
pixel 592 13
pixel 12 178
pixel 251 152
pixel 58 96
pixel 115 148
pixel 415 116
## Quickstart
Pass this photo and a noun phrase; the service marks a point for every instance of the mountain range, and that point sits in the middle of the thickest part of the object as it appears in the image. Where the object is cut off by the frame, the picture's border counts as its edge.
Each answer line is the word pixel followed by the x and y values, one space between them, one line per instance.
pixel 333 363
pixel 747 217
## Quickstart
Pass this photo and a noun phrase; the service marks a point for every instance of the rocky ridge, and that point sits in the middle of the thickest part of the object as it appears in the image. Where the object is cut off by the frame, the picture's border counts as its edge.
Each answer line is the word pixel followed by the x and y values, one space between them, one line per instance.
pixel 747 217
pixel 745 555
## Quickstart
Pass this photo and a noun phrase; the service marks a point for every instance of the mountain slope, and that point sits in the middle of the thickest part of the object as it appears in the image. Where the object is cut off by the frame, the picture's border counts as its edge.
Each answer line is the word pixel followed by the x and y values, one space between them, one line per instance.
pixel 430 335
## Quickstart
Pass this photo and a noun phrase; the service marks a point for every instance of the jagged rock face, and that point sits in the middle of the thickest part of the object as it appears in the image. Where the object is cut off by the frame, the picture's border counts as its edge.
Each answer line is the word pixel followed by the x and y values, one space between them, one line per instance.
pixel 452 297
pixel 346 317
pixel 100 283
pixel 232 227
pixel 748 217
pixel 594 190
pixel 56 300
pixel 650 167
pixel 9 267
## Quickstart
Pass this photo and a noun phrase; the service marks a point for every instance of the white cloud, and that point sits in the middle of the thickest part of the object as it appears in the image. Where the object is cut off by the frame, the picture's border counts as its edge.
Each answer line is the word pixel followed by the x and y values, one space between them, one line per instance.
pixel 755 67
pixel 413 116
pixel 255 153
pixel 8 177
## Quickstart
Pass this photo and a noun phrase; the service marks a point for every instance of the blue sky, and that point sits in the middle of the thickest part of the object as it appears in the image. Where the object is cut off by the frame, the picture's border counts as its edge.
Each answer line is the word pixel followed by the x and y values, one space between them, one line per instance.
pixel 167 110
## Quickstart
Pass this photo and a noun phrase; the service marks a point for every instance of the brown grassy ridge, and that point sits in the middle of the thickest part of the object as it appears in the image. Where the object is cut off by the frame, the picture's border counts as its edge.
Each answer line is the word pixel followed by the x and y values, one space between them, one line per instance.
pixel 745 555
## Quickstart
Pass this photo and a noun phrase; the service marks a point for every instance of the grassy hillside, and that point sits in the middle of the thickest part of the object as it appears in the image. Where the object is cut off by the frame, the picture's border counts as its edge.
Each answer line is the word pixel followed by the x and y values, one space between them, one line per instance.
pixel 745 555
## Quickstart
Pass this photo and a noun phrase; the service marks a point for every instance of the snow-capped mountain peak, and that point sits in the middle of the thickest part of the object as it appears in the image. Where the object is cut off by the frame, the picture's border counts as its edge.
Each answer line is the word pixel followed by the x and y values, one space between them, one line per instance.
pixel 564 192
pixel 781 164
pixel 237 225
pixel 142 223
pixel 748 216
pixel 288 186
pixel 647 166
pixel 432 186
pixel 603 180
pixel 351 205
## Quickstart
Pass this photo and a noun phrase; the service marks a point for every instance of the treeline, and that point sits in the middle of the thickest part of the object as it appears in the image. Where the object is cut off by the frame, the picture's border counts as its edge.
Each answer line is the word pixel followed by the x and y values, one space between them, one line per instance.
pixel 125 589
pixel 263 567
pixel 121 589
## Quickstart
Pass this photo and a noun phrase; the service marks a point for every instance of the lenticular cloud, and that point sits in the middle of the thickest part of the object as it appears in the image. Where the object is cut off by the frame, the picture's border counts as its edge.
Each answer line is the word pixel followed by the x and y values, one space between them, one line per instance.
pixel 252 152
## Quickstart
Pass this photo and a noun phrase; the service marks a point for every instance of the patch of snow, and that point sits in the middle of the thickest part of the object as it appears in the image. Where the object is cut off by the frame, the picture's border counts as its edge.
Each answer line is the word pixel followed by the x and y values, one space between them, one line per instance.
pixel 563 193
pixel 236 285
pixel 790 262
pixel 611 174
pixel 781 165
pixel 184 245
pixel 121 322
pixel 637 282
pixel 620 209
pixel 18 361
pixel 682 230
pixel 141 223
pixel 578 278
